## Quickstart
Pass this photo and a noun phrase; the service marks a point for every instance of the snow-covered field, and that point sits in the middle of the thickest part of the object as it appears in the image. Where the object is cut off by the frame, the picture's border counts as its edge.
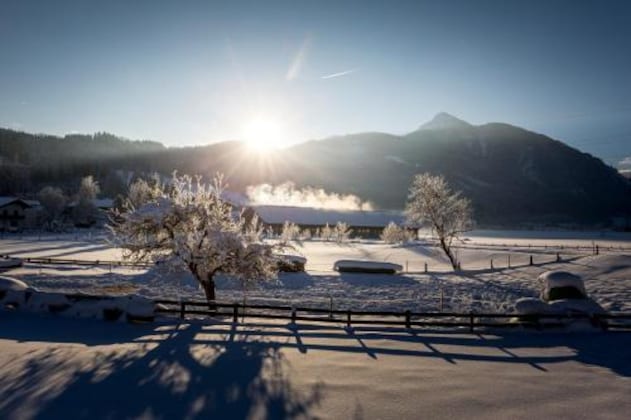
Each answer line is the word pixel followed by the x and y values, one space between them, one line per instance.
pixel 476 287
pixel 61 368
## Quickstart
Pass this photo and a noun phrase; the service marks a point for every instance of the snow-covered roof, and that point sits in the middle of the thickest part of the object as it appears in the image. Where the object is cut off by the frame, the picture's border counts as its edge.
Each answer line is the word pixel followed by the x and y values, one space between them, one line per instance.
pixel 103 203
pixel 320 217
pixel 6 200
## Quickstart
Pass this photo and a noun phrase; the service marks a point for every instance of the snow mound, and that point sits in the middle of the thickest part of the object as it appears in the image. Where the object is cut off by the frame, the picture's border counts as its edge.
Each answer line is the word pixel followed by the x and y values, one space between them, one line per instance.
pixel 581 306
pixel 356 266
pixel 47 302
pixel 9 283
pixel 530 306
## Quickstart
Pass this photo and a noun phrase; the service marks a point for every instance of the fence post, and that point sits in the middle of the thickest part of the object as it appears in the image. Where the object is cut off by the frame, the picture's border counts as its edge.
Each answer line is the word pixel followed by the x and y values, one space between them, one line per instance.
pixel 425 267
pixel 235 313
pixel 293 315
pixel 348 318
pixel 558 257
pixel 182 309
pixel 508 260
pixel 408 320
pixel 531 260
pixel 597 250
pixel 491 263
pixel 406 266
pixel 471 322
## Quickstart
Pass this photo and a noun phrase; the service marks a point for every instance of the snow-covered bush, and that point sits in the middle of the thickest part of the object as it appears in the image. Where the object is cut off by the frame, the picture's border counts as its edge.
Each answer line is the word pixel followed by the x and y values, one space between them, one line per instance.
pixel 395 234
pixel 305 234
pixel 341 232
pixel 189 224
pixel 142 191
pixel 290 232
pixel 326 233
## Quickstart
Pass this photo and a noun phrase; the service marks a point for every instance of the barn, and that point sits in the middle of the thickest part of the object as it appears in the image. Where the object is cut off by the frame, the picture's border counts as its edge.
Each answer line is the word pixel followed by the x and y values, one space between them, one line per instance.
pixel 365 224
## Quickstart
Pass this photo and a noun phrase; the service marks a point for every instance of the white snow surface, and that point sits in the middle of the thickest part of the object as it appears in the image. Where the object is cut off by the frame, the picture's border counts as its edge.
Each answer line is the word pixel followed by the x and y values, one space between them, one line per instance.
pixel 62 368
pixel 607 276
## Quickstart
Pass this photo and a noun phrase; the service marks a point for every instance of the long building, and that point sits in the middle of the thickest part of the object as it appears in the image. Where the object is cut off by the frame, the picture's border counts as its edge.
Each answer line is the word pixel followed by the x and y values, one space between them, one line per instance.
pixel 365 224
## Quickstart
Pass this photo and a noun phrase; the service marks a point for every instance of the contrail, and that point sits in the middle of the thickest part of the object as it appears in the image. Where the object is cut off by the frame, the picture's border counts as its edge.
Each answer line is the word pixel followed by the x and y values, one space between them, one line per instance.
pixel 342 73
pixel 298 61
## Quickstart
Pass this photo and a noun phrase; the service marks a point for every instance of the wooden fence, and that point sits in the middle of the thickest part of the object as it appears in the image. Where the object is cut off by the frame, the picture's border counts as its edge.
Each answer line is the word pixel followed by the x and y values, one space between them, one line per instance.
pixel 62 261
pixel 406 319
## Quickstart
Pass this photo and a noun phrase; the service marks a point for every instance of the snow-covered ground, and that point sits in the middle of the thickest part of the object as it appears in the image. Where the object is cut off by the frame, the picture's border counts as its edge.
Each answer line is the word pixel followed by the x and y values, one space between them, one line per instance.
pixel 60 368
pixel 477 287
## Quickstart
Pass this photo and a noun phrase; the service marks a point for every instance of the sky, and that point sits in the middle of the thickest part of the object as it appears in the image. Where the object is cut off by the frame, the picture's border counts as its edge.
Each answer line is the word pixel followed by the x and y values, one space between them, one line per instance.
pixel 197 72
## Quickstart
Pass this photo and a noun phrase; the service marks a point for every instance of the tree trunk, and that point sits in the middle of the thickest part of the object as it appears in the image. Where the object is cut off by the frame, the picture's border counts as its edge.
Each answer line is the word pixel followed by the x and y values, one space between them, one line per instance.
pixel 209 290
pixel 450 255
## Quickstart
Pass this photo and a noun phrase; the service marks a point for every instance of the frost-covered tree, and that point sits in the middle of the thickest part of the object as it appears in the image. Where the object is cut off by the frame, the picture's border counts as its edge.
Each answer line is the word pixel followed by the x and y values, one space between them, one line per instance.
pixel 326 233
pixel 189 225
pixel 142 191
pixel 290 232
pixel 85 211
pixel 305 234
pixel 53 203
pixel 395 234
pixel 341 232
pixel 448 214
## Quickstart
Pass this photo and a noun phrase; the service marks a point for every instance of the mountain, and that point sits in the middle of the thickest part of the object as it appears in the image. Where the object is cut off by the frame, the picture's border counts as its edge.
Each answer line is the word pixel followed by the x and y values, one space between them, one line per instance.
pixel 513 176
pixel 445 121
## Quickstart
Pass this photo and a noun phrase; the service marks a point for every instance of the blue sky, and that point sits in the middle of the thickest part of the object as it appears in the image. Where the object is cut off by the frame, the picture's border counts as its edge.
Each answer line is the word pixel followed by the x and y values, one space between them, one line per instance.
pixel 186 72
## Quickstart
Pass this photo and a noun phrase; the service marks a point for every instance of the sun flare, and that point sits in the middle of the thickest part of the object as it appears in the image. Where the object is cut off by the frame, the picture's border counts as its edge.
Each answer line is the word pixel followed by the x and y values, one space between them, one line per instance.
pixel 264 134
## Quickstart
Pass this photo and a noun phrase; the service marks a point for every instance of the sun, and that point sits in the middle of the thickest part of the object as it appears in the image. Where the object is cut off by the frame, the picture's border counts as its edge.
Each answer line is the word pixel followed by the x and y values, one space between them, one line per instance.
pixel 264 134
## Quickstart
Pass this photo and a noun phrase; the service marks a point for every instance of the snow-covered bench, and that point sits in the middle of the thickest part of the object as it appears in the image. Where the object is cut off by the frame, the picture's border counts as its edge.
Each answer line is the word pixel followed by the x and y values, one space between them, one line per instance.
pixel 372 267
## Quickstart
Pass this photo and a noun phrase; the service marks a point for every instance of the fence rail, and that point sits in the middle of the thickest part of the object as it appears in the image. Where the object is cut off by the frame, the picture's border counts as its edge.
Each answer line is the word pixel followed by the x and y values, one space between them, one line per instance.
pixel 64 261
pixel 407 319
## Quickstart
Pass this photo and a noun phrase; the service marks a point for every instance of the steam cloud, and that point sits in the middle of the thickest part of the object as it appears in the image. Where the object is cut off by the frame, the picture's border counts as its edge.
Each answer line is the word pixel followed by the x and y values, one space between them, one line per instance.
pixel 287 194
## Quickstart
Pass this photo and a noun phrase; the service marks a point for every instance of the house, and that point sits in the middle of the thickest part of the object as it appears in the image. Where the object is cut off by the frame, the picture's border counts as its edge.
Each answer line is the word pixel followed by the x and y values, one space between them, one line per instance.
pixel 365 224
pixel 17 214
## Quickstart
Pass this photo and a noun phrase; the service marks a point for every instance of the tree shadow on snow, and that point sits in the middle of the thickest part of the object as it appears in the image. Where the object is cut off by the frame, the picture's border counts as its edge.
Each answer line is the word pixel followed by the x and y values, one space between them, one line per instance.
pixel 221 370
pixel 175 374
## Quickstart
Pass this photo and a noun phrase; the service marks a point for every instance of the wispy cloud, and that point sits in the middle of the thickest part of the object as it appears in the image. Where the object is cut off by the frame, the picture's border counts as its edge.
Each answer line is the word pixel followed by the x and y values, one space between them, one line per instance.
pixel 339 74
pixel 625 162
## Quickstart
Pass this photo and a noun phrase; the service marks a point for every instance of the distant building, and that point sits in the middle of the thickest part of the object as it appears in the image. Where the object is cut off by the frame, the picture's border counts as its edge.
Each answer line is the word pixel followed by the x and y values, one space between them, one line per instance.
pixel 17 214
pixel 365 224
pixel 99 217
